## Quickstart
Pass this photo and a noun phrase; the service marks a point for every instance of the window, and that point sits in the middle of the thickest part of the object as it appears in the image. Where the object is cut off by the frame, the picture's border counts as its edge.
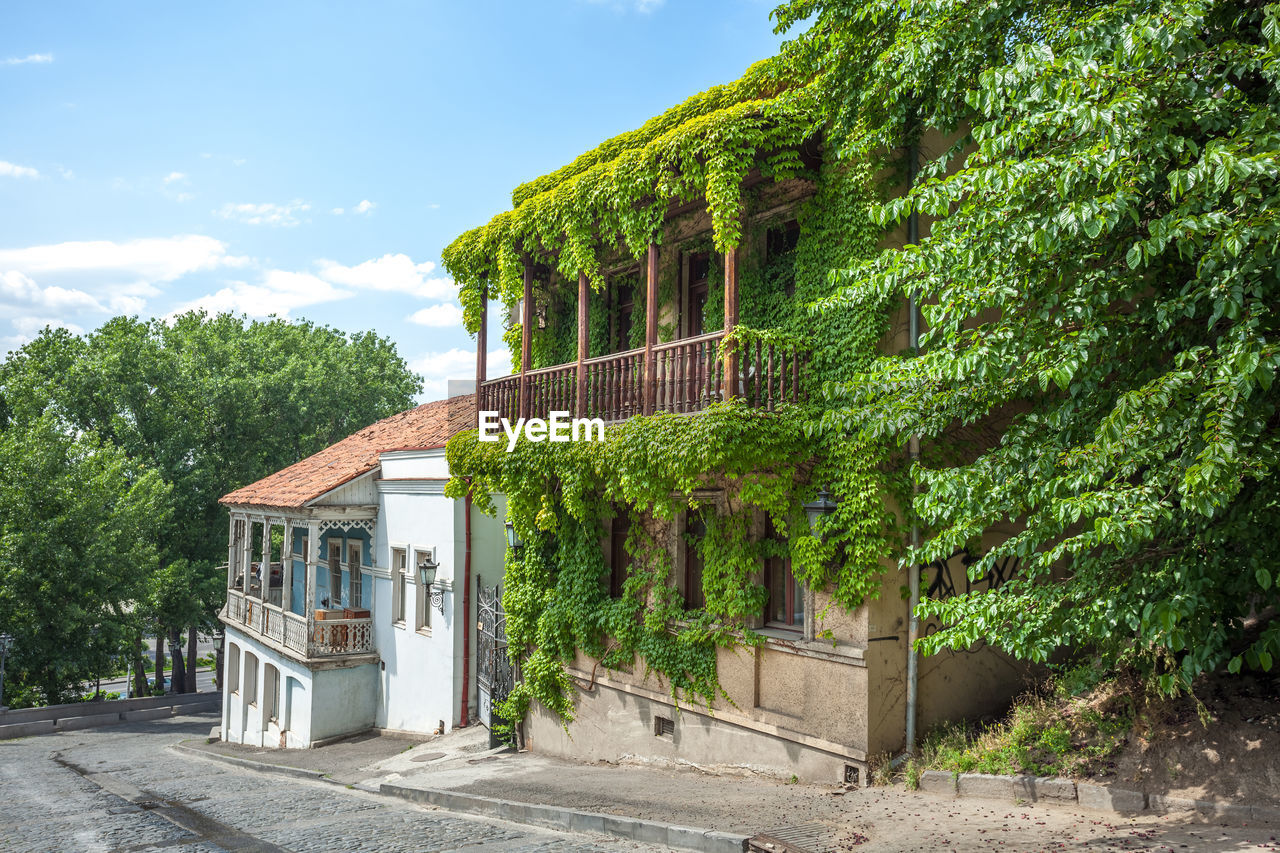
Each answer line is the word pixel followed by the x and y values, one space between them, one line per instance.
pixel 270 693
pixel 785 607
pixel 421 597
pixel 624 314
pixel 233 667
pixel 335 574
pixel 695 530
pixel 356 579
pixel 616 555
pixel 699 270
pixel 399 564
pixel 780 241
pixel 250 678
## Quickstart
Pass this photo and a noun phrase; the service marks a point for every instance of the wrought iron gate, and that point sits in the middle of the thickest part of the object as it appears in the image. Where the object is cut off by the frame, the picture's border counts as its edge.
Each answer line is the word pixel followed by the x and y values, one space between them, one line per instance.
pixel 494 675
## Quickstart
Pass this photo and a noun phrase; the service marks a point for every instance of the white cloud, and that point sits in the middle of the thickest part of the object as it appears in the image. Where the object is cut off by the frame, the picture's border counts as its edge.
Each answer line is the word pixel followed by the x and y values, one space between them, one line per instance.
pixel 34 59
pixel 174 176
pixel 443 315
pixel 437 368
pixel 184 196
pixel 66 173
pixel 364 208
pixel 29 327
pixel 19 289
pixel 279 293
pixel 152 259
pixel 282 215
pixel 337 211
pixel 12 170
pixel 395 272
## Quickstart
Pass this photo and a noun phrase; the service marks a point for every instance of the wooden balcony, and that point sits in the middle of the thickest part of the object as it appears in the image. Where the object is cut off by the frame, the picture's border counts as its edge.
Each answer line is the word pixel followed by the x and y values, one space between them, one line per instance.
pixel 326 639
pixel 685 376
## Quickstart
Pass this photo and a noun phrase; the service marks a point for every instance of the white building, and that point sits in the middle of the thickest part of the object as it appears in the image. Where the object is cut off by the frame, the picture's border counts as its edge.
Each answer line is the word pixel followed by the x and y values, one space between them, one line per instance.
pixel 344 636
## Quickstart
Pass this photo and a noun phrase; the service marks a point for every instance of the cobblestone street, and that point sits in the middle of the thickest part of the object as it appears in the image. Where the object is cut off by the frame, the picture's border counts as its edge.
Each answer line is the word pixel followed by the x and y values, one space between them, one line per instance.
pixel 119 789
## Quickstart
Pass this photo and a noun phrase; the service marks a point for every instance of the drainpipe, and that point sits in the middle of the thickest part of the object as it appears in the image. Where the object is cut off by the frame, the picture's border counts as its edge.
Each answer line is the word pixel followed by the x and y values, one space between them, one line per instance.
pixel 913 449
pixel 467 624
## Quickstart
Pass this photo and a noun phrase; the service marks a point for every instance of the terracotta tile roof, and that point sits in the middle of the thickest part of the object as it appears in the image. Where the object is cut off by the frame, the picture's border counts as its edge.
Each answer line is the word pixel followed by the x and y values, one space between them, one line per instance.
pixel 429 425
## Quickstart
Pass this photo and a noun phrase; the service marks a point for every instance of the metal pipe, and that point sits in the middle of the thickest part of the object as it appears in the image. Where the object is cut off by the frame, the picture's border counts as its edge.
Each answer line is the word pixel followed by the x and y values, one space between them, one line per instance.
pixel 913 449
pixel 467 625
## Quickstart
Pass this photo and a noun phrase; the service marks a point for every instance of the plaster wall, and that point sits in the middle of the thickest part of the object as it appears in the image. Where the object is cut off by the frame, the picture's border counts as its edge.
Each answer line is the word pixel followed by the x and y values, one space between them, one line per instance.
pixel 343 700
pixel 620 726
pixel 414 687
pixel 242 721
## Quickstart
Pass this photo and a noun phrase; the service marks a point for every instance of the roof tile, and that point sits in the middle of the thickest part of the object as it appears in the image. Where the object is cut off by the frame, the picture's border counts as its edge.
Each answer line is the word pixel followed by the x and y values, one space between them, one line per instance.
pixel 429 425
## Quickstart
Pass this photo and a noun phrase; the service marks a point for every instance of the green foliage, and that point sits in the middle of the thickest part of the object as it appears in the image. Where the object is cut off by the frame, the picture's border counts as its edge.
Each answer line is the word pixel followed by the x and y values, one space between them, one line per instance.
pixel 207 404
pixel 1100 298
pixel 618 194
pixel 555 590
pixel 1043 735
pixel 79 523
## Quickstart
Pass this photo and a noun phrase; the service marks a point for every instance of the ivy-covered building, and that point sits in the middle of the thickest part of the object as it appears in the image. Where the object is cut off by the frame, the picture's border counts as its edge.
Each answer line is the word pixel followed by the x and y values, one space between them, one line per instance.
pixel 668 597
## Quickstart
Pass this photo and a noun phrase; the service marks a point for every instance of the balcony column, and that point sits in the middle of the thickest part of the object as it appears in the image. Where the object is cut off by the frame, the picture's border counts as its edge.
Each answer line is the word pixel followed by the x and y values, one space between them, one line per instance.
pixel 233 546
pixel 286 567
pixel 526 339
pixel 246 555
pixel 584 302
pixel 731 320
pixel 651 330
pixel 309 599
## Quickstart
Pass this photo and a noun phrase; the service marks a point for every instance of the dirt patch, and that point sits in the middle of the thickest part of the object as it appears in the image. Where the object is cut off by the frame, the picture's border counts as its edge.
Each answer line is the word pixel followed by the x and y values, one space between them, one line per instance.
pixel 1228 747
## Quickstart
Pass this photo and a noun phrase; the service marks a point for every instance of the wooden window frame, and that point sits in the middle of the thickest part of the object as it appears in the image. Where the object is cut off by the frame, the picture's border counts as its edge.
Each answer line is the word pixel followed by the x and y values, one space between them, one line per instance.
pixel 692 571
pixel 355 578
pixel 421 598
pixel 334 566
pixel 399 586
pixel 615 550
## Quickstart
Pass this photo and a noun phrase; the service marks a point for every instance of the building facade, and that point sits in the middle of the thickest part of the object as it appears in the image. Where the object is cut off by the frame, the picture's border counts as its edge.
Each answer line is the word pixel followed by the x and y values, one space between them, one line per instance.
pixel 330 629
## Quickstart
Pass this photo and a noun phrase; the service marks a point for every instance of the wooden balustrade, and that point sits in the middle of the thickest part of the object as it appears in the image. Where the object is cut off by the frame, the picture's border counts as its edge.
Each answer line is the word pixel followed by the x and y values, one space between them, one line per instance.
pixel 688 375
pixel 331 637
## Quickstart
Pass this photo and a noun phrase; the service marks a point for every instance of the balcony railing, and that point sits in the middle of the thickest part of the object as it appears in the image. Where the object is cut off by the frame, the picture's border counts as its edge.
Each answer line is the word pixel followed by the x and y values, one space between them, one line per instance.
pixel 329 638
pixel 688 375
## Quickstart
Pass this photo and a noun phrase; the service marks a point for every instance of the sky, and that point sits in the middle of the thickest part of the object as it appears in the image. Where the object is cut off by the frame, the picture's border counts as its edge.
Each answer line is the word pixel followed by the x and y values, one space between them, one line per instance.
pixel 311 159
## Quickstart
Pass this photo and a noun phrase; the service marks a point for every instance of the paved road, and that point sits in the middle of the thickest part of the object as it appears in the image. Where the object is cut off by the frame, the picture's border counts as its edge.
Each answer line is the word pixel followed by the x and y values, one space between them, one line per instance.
pixel 119 790
pixel 204 682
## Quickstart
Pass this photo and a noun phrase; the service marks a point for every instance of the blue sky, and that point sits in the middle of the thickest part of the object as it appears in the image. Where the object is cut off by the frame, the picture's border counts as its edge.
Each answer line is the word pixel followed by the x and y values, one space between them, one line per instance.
pixel 311 159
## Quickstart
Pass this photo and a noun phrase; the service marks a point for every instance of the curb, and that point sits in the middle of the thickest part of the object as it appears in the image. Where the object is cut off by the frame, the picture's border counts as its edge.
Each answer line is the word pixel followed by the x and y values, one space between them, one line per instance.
pixel 573 820
pixel 1088 795
pixel 258 766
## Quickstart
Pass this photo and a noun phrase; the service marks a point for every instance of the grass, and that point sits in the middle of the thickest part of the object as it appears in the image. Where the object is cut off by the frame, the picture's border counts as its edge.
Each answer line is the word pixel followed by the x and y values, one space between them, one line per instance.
pixel 1046 733
pixel 1064 728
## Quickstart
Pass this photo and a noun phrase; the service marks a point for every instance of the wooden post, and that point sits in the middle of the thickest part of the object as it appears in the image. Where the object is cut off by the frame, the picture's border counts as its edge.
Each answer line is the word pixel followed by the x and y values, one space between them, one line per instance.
pixel 233 546
pixel 246 555
pixel 309 598
pixel 731 320
pixel 286 568
pixel 482 348
pixel 650 330
pixel 526 339
pixel 584 302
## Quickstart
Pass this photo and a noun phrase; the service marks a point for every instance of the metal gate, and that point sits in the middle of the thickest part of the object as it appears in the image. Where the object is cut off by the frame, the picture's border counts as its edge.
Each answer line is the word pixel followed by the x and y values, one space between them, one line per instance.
pixel 494 675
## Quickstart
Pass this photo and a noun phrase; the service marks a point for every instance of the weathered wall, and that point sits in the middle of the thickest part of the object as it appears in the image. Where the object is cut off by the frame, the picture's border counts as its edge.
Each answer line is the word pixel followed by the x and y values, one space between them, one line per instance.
pixel 343 700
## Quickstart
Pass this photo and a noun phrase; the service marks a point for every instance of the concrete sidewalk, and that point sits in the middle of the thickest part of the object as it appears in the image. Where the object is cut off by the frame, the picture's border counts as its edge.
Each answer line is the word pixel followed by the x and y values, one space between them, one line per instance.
pixel 678 806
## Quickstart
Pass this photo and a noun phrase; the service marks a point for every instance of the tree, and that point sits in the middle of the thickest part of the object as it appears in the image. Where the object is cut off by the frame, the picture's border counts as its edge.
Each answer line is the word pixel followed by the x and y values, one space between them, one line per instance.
pixel 1102 289
pixel 78 527
pixel 211 404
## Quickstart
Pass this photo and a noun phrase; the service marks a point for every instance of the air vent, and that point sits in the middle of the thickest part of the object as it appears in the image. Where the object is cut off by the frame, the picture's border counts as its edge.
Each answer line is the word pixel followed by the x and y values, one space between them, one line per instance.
pixel 850 774
pixel 663 727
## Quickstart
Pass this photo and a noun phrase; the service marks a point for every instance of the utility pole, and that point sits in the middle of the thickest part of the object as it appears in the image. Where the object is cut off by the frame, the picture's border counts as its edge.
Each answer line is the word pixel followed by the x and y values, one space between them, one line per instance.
pixel 6 640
